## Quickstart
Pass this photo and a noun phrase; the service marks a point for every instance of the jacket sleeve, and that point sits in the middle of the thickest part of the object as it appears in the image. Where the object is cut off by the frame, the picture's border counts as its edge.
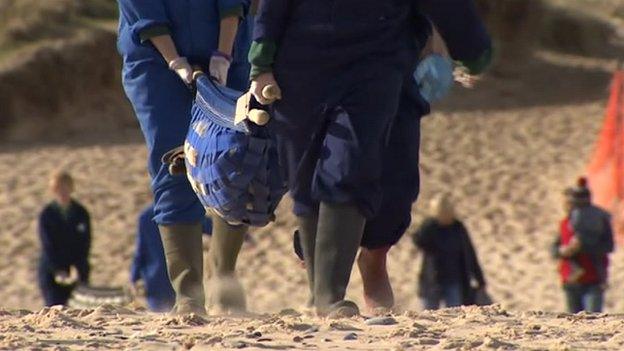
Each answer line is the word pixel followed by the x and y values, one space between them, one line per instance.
pixel 463 31
pixel 608 244
pixel 473 260
pixel 46 236
pixel 147 18
pixel 423 238
pixel 82 265
pixel 228 8
pixel 554 247
pixel 269 27
pixel 423 27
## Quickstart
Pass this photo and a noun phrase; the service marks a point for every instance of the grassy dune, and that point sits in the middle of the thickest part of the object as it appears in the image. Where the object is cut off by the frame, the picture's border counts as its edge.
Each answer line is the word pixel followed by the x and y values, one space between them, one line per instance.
pixel 25 22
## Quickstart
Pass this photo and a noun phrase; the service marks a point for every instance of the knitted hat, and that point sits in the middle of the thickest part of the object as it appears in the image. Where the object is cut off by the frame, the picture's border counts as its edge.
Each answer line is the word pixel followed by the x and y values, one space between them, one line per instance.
pixel 579 193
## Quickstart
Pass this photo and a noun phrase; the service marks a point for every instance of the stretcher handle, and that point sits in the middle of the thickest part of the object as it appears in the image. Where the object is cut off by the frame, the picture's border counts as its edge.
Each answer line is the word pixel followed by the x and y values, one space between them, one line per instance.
pixel 259 117
pixel 262 117
pixel 196 74
pixel 271 92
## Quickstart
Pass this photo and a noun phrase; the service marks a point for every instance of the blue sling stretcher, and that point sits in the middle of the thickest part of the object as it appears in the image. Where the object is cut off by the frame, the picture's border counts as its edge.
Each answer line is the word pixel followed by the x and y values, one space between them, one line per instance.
pixel 232 165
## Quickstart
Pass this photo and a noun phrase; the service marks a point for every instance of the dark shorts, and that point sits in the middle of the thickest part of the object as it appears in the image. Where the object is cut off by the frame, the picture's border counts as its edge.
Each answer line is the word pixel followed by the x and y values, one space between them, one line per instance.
pixel 331 127
pixel 400 182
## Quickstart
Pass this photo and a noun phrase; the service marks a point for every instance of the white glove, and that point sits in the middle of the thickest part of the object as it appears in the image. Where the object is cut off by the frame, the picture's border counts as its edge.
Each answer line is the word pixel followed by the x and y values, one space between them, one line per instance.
pixel 219 66
pixel 182 68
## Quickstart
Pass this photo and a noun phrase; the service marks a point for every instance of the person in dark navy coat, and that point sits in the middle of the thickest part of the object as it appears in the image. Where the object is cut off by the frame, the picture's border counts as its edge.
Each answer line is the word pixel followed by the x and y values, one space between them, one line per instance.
pixel 65 234
pixel 336 175
pixel 461 32
pixel 341 66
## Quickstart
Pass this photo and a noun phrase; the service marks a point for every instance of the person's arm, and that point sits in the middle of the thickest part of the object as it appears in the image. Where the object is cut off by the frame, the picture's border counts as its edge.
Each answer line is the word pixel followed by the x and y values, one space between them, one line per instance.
pixel 473 259
pixel 554 248
pixel 269 28
pixel 423 238
pixel 48 246
pixel 167 49
pixel 607 243
pixel 230 14
pixel 147 18
pixel 150 23
pixel 82 265
pixel 463 31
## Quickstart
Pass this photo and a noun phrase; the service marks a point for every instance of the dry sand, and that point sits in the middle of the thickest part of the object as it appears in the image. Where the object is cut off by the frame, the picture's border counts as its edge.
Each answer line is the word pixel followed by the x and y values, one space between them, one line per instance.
pixel 505 151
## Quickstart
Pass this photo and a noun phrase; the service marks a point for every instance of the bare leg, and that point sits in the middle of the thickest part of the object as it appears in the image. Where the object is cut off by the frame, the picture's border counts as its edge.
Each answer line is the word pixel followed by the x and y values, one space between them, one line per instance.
pixel 377 289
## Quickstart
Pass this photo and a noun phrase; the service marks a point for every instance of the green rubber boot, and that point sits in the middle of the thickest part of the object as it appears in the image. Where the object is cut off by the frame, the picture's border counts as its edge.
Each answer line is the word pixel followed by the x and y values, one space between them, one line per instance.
pixel 340 229
pixel 182 245
pixel 226 294
pixel 307 235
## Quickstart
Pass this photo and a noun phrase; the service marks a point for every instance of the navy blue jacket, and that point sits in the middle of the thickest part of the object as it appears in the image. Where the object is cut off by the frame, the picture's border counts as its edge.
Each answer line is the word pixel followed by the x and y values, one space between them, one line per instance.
pixel 461 27
pixel 65 239
pixel 194 26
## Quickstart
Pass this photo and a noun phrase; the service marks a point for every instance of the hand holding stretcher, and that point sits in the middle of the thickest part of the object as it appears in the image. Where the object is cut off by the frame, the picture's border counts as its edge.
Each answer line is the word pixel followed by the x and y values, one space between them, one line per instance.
pixel 231 164
pixel 248 108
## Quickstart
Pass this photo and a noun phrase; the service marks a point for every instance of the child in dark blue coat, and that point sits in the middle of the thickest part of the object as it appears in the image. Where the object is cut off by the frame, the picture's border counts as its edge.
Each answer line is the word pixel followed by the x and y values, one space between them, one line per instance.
pixel 161 42
pixel 65 234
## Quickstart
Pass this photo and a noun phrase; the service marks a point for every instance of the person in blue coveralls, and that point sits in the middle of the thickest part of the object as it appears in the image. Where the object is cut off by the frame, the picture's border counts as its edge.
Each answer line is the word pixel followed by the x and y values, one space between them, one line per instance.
pixel 65 234
pixel 161 43
pixel 149 266
pixel 334 163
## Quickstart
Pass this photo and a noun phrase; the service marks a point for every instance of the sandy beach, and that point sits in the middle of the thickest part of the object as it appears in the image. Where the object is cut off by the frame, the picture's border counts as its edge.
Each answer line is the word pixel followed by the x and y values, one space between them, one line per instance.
pixel 506 161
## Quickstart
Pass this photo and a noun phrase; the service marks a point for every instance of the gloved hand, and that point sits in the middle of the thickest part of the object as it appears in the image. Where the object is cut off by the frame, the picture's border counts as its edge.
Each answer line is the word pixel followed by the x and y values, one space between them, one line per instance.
pixel 434 76
pixel 465 78
pixel 261 82
pixel 219 67
pixel 182 68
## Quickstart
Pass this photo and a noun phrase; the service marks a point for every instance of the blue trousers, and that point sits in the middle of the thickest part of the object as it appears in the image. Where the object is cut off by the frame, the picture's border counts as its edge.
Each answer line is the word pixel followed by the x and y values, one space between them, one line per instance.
pixel 581 297
pixel 162 104
pixel 451 294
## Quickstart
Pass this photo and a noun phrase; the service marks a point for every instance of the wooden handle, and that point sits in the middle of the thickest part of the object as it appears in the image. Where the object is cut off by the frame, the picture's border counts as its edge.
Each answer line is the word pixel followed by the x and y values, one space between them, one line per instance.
pixel 271 92
pixel 259 117
pixel 197 74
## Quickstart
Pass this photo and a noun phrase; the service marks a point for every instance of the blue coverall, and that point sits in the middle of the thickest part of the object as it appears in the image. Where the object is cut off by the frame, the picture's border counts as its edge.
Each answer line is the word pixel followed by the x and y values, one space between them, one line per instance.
pixel 149 262
pixel 65 241
pixel 161 101
pixel 341 67
pixel 467 39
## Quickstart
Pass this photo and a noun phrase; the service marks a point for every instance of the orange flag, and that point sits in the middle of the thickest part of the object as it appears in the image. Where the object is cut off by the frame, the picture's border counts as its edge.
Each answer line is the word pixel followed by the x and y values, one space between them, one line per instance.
pixel 606 167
